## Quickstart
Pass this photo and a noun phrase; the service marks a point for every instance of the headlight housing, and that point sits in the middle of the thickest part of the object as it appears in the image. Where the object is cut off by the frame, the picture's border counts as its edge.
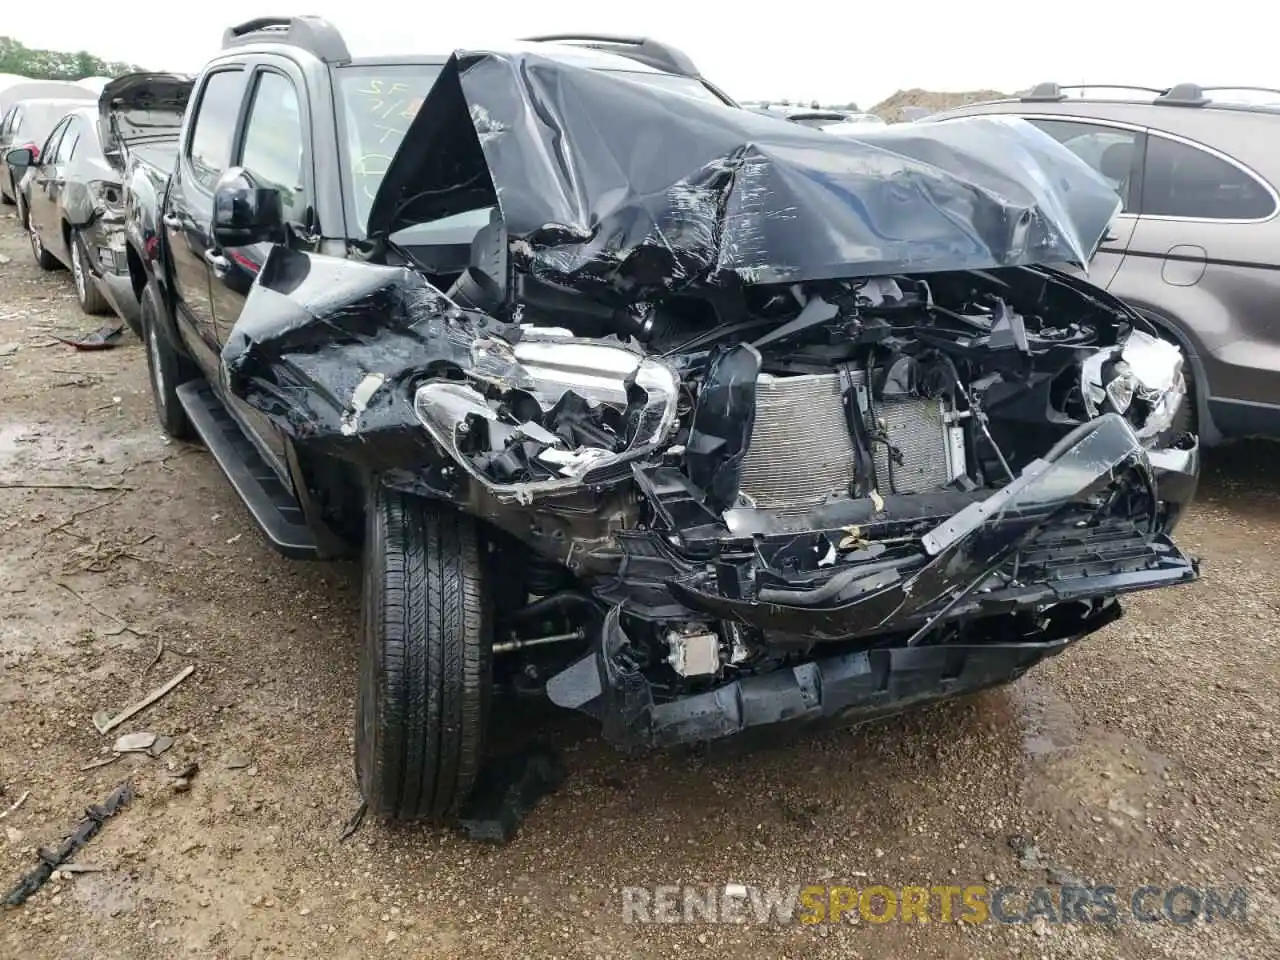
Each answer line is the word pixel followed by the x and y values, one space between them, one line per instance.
pixel 1142 379
pixel 550 411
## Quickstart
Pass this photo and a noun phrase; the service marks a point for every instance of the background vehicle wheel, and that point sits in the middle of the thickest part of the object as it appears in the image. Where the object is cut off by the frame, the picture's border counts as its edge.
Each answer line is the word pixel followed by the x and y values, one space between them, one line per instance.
pixel 1185 420
pixel 45 259
pixel 166 368
pixel 9 195
pixel 87 293
pixel 425 658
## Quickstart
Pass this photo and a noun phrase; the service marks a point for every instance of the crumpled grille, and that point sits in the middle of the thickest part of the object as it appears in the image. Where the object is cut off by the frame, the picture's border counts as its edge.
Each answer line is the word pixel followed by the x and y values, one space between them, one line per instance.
pixel 801 452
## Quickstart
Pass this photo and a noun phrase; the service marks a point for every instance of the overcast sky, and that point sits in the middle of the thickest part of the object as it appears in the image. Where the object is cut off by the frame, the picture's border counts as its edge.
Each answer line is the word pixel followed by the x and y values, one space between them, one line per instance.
pixel 801 49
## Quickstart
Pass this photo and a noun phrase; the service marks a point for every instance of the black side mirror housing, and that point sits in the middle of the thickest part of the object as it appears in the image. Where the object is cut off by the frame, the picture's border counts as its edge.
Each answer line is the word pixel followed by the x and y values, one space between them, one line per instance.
pixel 245 213
pixel 21 157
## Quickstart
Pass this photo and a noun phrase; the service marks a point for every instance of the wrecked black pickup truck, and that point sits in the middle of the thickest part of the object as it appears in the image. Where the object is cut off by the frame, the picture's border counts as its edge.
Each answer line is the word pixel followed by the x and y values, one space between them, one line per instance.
pixel 710 423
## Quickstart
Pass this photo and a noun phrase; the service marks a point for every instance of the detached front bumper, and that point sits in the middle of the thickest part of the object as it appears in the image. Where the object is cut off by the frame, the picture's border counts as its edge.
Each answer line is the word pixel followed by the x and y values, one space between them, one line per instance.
pixel 1085 523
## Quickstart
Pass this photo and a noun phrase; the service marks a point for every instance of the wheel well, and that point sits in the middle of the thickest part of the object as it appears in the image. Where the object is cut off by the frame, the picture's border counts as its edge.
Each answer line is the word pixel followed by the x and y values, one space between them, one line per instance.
pixel 137 272
pixel 66 233
pixel 1205 427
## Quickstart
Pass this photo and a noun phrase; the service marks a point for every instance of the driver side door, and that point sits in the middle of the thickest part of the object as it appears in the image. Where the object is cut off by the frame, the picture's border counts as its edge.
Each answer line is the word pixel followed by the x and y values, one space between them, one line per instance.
pixel 41 193
pixel 274 148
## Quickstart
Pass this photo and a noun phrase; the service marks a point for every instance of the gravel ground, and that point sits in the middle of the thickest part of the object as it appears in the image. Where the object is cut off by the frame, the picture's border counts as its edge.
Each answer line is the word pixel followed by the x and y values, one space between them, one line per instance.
pixel 1147 754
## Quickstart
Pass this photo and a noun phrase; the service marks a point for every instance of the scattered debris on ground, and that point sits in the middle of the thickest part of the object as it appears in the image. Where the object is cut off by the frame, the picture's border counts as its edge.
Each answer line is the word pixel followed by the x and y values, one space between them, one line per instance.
pixel 106 723
pixel 51 860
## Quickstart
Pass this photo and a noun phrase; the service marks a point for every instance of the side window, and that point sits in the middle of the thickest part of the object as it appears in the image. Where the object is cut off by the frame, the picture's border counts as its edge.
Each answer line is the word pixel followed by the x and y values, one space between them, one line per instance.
pixel 1109 150
pixel 7 121
pixel 15 122
pixel 1184 181
pixel 215 125
pixel 49 152
pixel 70 140
pixel 273 148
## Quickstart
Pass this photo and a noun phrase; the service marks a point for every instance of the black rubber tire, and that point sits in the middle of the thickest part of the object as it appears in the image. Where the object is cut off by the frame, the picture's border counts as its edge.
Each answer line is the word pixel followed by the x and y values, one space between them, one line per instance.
pixel 10 196
pixel 167 369
pixel 91 299
pixel 425 658
pixel 1186 420
pixel 44 259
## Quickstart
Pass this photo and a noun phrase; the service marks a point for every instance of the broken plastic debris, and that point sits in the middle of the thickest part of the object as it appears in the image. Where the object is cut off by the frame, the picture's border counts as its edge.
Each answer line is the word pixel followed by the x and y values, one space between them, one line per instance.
pixel 507 790
pixel 104 338
pixel 51 860
pixel 106 723
pixel 360 398
pixel 134 743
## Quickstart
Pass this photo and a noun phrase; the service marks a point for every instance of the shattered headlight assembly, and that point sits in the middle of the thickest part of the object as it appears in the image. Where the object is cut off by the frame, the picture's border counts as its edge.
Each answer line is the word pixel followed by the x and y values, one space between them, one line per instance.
pixel 631 402
pixel 1146 369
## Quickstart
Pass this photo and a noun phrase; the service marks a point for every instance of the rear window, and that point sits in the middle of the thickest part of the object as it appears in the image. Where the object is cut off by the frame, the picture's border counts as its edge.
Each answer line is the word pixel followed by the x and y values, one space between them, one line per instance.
pixel 1184 181
pixel 37 120
pixel 688 86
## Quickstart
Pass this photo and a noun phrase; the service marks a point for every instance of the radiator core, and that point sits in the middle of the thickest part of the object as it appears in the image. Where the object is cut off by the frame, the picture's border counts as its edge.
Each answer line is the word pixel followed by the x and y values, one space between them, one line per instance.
pixel 801 452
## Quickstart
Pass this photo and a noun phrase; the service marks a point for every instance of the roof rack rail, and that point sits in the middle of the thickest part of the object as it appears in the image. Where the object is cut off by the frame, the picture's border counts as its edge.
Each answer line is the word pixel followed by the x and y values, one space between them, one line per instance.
pixel 313 34
pixel 1054 92
pixel 644 50
pixel 1182 95
pixel 818 115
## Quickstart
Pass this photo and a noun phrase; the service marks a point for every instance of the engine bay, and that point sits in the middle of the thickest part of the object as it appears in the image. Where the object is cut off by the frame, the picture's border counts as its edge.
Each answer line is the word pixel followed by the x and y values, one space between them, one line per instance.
pixel 819 391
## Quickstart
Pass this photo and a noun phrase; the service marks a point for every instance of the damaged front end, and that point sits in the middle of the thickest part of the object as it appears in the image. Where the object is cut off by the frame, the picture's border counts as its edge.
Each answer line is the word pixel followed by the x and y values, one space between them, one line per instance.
pixel 768 426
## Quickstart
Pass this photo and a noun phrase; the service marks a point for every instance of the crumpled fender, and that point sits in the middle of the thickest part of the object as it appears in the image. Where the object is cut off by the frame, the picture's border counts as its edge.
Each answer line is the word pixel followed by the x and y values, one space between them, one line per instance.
pixel 329 348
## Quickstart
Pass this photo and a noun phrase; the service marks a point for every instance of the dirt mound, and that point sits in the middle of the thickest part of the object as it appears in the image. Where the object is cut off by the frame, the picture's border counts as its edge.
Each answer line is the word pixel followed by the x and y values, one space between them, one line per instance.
pixel 891 108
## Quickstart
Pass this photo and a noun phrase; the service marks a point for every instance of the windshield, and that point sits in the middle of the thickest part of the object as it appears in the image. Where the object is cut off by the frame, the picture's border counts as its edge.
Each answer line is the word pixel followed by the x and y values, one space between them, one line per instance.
pixel 378 104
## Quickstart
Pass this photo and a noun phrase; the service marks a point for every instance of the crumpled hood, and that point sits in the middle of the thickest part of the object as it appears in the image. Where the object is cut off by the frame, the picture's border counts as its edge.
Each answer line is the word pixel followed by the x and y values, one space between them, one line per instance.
pixel 605 183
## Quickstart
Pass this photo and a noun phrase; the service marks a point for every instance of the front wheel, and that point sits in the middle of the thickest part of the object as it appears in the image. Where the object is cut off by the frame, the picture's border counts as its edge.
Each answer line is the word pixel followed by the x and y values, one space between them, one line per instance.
pixel 425 658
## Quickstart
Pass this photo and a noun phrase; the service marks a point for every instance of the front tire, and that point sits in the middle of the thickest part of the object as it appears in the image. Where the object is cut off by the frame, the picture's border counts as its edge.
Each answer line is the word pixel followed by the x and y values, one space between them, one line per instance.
pixel 167 369
pixel 425 658
pixel 88 295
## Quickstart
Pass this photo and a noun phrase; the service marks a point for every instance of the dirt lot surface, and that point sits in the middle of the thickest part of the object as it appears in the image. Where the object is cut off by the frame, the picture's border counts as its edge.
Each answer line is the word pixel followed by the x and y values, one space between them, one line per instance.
pixel 1147 754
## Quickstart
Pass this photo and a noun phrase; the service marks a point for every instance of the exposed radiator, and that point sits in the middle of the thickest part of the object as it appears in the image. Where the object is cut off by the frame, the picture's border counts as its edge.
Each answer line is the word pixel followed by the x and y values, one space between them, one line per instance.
pixel 801 452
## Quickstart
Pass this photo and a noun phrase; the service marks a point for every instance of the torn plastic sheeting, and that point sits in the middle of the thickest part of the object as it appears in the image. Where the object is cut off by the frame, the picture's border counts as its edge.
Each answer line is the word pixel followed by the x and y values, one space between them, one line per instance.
pixel 635 190
pixel 971 544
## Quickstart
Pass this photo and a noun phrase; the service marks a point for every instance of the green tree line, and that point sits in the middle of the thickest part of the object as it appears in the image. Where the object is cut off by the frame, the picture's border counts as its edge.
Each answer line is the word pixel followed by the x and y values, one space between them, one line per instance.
pixel 57 64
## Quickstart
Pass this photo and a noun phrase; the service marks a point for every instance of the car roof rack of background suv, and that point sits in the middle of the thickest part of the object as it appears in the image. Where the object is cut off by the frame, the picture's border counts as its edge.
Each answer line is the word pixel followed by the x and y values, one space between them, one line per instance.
pixel 646 50
pixel 1179 95
pixel 313 34
pixel 1053 92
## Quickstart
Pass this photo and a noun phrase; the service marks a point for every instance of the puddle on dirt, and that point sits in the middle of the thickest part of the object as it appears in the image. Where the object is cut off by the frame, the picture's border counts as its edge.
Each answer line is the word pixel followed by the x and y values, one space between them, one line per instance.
pixel 1049 724
pixel 11 435
pixel 59 444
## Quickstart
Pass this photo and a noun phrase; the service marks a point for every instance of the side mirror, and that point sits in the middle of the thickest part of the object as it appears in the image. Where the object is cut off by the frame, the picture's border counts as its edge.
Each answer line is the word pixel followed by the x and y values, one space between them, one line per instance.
pixel 21 157
pixel 245 213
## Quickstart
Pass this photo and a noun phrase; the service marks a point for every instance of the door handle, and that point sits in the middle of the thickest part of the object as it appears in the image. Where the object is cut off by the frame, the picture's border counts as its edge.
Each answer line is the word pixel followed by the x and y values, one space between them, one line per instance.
pixel 169 220
pixel 216 260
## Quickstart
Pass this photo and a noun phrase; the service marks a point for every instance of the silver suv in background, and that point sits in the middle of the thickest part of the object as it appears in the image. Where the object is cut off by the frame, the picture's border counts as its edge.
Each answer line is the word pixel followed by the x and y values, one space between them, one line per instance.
pixel 1196 246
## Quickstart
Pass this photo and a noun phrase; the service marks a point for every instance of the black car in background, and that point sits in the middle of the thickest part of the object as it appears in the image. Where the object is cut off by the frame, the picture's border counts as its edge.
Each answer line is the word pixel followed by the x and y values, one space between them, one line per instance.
pixel 71 199
pixel 27 124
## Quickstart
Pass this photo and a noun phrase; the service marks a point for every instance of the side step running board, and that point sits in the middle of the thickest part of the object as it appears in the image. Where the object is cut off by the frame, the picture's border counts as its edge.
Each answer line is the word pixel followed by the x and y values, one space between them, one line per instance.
pixel 272 504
